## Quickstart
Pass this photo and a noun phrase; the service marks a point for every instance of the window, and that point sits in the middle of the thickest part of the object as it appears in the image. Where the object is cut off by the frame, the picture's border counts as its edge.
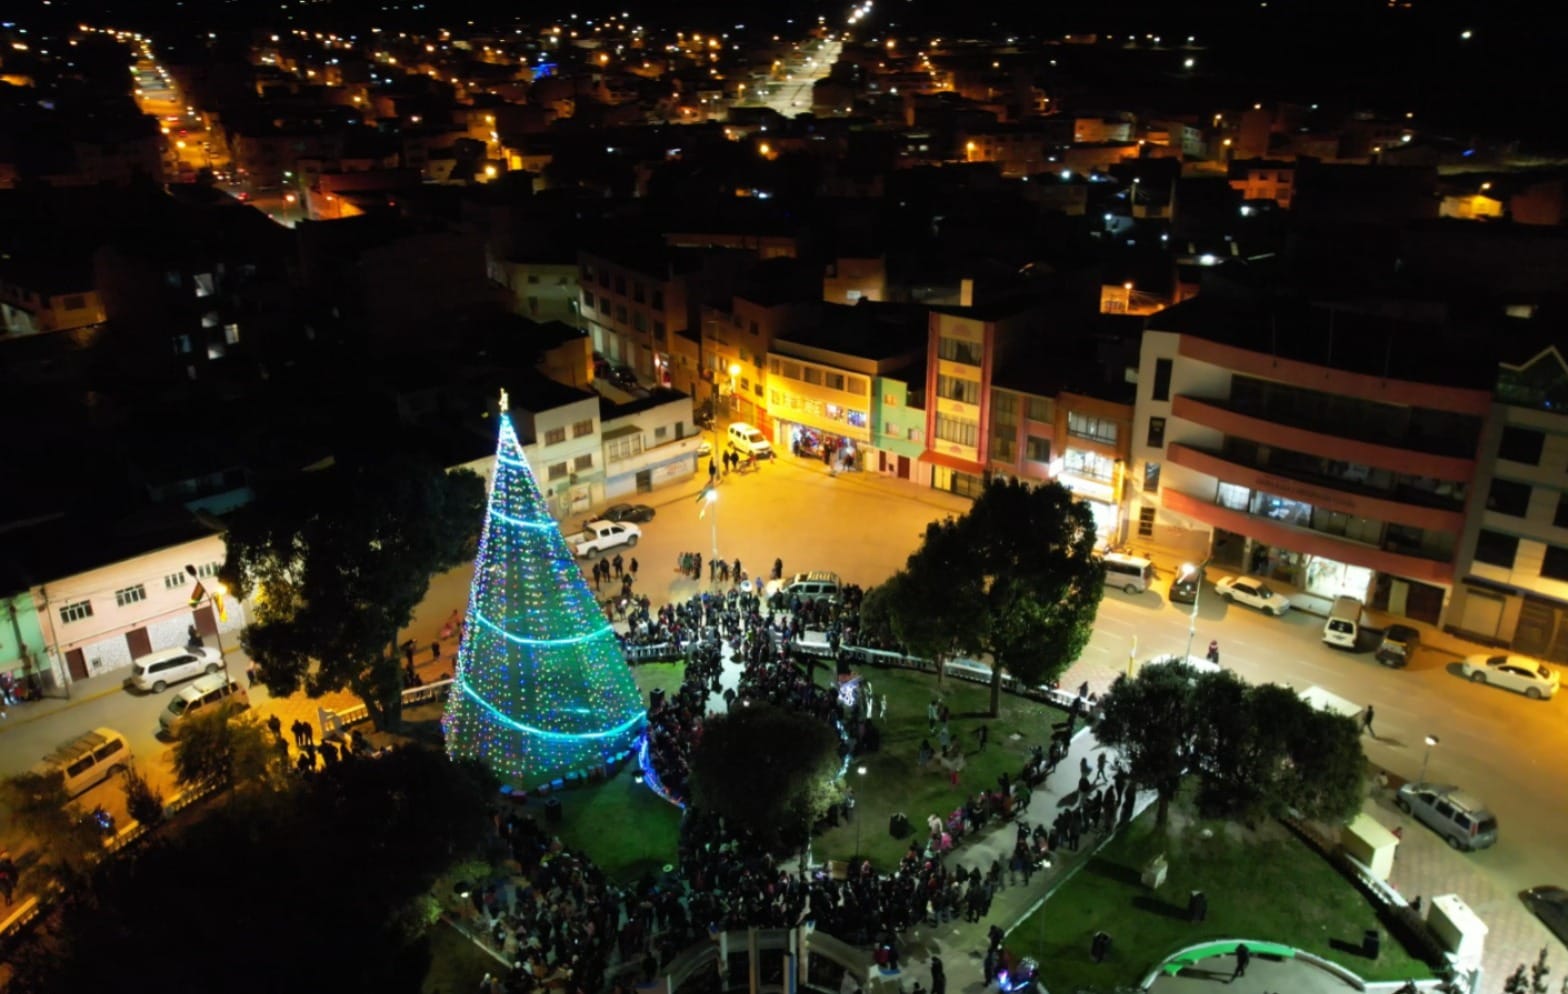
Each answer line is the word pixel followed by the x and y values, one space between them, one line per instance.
pixel 623 448
pixel 620 313
pixel 582 428
pixel 204 284
pixel 1232 496
pixel 126 596
pixel 604 279
pixel 1162 379
pixel 639 294
pixel 231 334
pixel 582 463
pixel 1097 429
pixel 950 429
pixel 555 436
pixel 1146 521
pixel 661 432
pixel 587 272
pixel 957 388
pixel 1156 433
pixel 1037 449
pixel 173 581
pixel 74 302
pixel 208 570
pixel 1561 520
pixel 639 321
pixel 76 612
pixel 558 471
pixel 620 285
pixel 658 300
pixel 1151 477
pixel 1042 409
pixel 757 389
pixel 182 344
pixel 1554 565
pixel 812 375
pixel 658 330
pixel 1091 465
pixel 833 381
pixel 753 328
pixel 1496 548
pixel 958 350
pixel 533 280
pixel 587 301
pixel 1508 497
pixel 1521 445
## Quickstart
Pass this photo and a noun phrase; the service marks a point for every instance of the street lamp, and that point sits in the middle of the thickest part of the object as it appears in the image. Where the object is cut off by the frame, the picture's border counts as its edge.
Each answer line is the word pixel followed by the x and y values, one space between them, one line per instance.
pixel 712 498
pixel 1197 594
pixel 861 772
pixel 217 625
pixel 1431 740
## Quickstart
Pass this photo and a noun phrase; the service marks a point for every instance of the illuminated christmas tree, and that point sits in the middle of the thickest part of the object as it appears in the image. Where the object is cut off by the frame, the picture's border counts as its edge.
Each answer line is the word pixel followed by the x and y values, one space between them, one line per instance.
pixel 542 688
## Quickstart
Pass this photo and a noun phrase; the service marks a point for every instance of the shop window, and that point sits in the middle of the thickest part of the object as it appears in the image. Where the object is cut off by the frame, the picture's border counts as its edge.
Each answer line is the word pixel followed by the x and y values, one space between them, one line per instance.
pixel 1554 564
pixel 1156 433
pixel 1151 477
pixel 1146 522
pixel 1496 548
pixel 1508 497
pixel 1162 379
pixel 1521 445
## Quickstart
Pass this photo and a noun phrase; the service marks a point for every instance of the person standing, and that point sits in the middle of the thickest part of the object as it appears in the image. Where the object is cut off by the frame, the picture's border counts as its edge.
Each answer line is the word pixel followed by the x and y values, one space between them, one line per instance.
pixel 1214 652
pixel 632 566
pixel 938 976
pixel 1243 957
pixel 1366 721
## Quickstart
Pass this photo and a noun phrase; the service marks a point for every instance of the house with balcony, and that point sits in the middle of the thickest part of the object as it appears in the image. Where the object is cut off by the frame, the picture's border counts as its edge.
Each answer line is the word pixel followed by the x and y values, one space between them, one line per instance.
pixel 648 442
pixel 1513 556
pixel 821 379
pixel 1330 449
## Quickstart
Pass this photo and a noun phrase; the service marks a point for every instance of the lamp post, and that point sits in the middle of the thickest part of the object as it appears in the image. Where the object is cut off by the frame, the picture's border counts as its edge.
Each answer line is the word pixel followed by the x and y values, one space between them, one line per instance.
pixel 1431 740
pixel 217 624
pixel 860 771
pixel 713 499
pixel 1197 595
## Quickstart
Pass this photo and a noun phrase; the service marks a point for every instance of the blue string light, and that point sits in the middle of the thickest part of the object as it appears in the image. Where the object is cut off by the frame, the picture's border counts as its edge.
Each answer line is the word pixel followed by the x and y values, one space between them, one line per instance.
pixel 544 688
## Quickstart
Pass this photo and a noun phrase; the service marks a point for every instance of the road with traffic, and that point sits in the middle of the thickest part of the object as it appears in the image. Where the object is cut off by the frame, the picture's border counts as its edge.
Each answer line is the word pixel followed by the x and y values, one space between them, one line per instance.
pixel 1499 745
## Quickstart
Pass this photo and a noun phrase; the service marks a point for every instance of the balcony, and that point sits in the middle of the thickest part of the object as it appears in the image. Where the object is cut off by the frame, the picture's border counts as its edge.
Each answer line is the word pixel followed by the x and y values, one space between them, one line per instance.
pixel 1230 420
pixel 1410 507
pixel 1306 540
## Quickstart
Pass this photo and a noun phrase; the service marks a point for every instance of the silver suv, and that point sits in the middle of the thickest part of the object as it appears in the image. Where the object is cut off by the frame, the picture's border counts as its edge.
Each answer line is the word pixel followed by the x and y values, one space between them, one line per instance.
pixel 818 585
pixel 1460 818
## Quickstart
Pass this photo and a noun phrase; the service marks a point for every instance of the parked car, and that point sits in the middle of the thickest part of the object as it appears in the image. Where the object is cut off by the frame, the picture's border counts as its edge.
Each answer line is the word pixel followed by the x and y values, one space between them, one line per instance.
pixel 629 512
pixel 1400 642
pixel 1550 904
pixel 1520 674
pixel 156 670
pixel 1460 818
pixel 705 449
pixel 1254 593
pixel 1186 584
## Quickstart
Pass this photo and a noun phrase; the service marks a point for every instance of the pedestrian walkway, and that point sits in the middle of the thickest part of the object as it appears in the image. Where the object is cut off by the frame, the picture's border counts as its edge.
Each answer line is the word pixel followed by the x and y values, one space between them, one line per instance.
pixel 1264 976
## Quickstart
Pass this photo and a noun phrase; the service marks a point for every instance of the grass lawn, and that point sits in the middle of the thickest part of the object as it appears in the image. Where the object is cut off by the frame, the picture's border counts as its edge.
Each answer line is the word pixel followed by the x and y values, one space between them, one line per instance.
pixel 1264 885
pixel 894 782
pixel 623 826
pixel 456 964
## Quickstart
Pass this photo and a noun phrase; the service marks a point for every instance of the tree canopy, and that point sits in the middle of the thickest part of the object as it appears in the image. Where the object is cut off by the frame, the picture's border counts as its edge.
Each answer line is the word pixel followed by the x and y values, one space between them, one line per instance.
pixel 338 559
pixel 268 892
pixel 765 770
pixel 217 746
pixel 53 842
pixel 1015 577
pixel 1256 749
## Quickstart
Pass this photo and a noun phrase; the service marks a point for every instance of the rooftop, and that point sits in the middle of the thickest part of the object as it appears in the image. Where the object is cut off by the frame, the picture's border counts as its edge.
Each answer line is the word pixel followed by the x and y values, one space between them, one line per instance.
pixel 869 330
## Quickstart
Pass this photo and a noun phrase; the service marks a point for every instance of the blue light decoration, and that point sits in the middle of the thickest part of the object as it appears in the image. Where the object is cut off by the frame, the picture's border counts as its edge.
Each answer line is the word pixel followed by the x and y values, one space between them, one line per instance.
pixel 543 691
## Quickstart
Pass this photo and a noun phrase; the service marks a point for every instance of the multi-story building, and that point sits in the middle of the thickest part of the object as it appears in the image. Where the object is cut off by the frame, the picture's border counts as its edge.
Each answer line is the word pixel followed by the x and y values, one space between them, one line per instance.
pixel 1329 449
pixel 963 346
pixel 559 428
pixel 820 379
pixel 633 301
pixel 898 425
pixel 773 300
pixel 648 442
pixel 1513 560
pixel 38 299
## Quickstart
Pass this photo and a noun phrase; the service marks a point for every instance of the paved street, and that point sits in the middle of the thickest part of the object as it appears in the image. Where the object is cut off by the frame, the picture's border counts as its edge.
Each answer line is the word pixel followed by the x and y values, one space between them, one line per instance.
pixel 791 96
pixel 1496 744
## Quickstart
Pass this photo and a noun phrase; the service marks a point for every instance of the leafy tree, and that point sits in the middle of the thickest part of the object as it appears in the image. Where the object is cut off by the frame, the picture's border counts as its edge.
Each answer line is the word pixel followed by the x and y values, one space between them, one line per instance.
pixel 1152 721
pixel 332 877
pixel 218 746
pixel 43 825
pixel 338 559
pixel 1325 778
pixel 765 770
pixel 931 605
pixel 1239 752
pixel 143 801
pixel 1015 577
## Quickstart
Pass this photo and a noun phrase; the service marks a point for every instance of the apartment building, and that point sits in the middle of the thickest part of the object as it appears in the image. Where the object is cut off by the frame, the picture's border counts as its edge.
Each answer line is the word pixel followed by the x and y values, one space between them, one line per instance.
pixel 1513 562
pixel 774 299
pixel 633 301
pixel 559 428
pixel 1329 449
pixel 648 442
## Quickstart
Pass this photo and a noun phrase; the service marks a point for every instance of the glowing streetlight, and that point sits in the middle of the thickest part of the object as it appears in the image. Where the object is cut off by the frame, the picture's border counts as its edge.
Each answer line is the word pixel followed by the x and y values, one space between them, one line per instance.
pixel 1431 740
pixel 861 772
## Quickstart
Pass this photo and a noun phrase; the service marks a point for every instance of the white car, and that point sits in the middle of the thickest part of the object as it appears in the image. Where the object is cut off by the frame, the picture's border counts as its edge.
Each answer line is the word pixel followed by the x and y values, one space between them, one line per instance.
pixel 1254 593
pixel 1521 674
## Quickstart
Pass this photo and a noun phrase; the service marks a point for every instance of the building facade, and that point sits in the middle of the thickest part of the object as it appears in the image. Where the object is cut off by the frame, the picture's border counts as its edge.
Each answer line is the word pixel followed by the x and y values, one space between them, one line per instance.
pixel 1332 481
pixel 648 443
pixel 1513 563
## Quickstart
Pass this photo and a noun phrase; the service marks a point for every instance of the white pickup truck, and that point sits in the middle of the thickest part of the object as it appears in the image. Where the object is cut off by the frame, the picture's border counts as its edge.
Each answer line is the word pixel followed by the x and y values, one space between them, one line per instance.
pixel 598 537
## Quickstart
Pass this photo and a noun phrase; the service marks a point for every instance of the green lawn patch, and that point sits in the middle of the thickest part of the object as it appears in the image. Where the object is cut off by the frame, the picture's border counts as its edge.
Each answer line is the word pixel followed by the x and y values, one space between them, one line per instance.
pixel 456 963
pixel 623 826
pixel 894 782
pixel 1264 885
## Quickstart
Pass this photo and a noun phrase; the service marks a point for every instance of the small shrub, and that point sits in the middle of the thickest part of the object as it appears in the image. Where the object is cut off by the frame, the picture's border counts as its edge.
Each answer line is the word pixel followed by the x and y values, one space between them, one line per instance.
pixel 142 800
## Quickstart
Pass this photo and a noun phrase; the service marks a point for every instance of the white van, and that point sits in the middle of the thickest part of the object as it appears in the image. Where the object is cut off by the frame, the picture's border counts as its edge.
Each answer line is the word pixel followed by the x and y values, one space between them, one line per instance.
pixel 156 670
pixel 1129 573
pixel 748 441
pixel 89 760
pixel 201 697
pixel 1343 626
